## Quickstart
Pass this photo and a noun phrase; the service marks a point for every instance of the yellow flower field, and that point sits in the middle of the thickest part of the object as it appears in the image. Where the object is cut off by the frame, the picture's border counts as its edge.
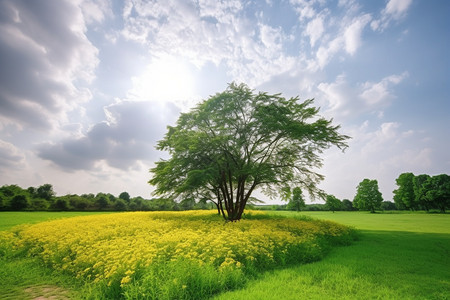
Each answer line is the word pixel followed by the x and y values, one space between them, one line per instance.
pixel 110 249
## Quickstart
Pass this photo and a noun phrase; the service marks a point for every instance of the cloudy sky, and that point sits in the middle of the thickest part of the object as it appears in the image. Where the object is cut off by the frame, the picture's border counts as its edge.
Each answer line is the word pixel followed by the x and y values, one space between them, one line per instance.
pixel 87 87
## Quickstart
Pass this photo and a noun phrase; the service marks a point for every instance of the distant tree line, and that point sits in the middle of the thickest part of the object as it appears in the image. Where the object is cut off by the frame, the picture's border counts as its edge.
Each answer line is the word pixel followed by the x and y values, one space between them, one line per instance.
pixel 43 198
pixel 422 192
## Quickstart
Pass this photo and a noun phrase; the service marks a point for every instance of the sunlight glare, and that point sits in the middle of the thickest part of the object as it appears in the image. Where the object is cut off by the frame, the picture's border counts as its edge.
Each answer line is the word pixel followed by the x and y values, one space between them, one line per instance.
pixel 167 79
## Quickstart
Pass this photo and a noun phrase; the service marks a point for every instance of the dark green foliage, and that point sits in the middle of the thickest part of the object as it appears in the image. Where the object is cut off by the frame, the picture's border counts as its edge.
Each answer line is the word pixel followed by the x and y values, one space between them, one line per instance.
pixel 333 203
pixel 39 204
pixel 438 191
pixel 420 191
pixel 77 202
pixel 125 196
pixel 45 191
pixel 296 202
pixel 347 205
pixel 405 192
pixel 237 141
pixel 61 204
pixel 19 202
pixel 120 205
pixel 368 197
pixel 388 205
pixel 101 202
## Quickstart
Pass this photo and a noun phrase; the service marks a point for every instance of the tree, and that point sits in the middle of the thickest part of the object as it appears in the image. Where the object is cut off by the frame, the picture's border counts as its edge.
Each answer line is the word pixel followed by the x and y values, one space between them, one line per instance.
pixel 61 204
pixel 388 205
pixel 420 191
pixel 368 197
pixel 238 141
pixel 2 202
pixel 125 196
pixel 438 191
pixel 19 202
pixel 405 192
pixel 101 202
pixel 296 202
pixel 45 191
pixel 120 205
pixel 347 205
pixel 333 203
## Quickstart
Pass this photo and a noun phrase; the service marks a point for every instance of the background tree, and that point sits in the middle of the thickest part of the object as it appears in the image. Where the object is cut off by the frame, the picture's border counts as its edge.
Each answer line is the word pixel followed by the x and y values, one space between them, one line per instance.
pixel 333 203
pixel 405 191
pixel 120 205
pixel 125 197
pixel 61 204
pixel 237 141
pixel 296 202
pixel 438 191
pixel 388 205
pixel 347 205
pixel 420 191
pixel 101 202
pixel 45 191
pixel 39 204
pixel 368 196
pixel 19 202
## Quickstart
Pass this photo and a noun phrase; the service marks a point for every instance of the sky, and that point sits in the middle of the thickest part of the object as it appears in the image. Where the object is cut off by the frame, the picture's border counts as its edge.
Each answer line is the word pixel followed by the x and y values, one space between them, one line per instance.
pixel 88 87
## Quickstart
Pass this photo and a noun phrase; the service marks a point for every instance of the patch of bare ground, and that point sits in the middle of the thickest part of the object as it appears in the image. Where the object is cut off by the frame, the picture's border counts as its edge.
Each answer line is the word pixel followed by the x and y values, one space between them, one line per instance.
pixel 47 292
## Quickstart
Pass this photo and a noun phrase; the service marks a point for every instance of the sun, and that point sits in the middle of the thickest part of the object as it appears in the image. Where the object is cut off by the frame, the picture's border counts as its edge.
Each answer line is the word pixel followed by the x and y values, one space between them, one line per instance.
pixel 167 79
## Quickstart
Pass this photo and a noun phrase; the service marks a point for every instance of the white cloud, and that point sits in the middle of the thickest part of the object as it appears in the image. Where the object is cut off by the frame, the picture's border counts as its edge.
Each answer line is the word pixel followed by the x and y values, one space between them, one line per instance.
pixel 394 11
pixel 378 92
pixel 315 29
pixel 343 100
pixel 325 53
pixel 353 32
pixel 397 8
pixel 95 10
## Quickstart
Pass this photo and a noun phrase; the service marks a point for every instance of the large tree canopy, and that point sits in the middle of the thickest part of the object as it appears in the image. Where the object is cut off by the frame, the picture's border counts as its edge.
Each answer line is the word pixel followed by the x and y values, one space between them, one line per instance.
pixel 368 196
pixel 405 192
pixel 239 140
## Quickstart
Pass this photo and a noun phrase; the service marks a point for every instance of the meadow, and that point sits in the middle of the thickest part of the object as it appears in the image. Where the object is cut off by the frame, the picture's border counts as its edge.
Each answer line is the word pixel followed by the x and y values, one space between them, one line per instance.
pixel 397 256
pixel 157 255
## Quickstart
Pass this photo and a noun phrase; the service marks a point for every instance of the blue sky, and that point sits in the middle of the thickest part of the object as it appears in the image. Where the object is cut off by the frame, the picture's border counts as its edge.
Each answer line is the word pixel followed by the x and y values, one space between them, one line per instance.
pixel 88 87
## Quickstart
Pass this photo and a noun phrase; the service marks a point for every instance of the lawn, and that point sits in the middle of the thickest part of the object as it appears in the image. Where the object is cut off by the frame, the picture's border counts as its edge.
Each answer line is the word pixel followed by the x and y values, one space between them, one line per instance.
pixel 398 256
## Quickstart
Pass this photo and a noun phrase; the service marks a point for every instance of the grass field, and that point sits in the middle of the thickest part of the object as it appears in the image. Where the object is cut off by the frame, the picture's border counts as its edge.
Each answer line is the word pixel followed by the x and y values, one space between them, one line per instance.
pixel 398 256
pixel 9 219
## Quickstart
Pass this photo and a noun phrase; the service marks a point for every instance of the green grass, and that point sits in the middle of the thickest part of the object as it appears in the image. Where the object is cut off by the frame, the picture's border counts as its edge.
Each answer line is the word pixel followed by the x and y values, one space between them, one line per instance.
pixel 10 219
pixel 399 256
